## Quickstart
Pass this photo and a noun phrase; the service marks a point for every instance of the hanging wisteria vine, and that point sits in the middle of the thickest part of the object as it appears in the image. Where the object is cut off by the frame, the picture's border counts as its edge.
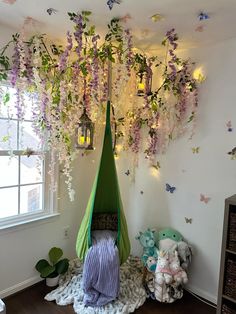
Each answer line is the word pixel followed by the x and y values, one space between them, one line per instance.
pixel 64 81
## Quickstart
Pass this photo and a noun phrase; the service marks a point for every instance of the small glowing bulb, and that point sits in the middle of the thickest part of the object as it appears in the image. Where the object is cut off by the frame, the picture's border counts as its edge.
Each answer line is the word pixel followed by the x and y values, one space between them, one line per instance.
pixel 198 75
pixel 119 148
pixel 155 173
pixel 141 86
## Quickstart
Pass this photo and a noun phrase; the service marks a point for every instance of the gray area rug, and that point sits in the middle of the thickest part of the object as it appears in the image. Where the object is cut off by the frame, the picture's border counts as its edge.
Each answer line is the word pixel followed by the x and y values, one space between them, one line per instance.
pixel 132 294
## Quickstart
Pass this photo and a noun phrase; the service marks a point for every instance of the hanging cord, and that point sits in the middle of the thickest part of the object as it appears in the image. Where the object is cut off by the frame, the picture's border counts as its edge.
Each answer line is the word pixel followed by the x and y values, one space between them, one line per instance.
pixel 201 299
pixel 109 82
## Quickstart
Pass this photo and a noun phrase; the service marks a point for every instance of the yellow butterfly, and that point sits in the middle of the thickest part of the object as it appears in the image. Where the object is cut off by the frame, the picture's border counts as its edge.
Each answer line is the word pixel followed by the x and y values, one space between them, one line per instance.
pixel 195 150
pixel 157 17
pixel 157 166
pixel 5 138
pixel 201 78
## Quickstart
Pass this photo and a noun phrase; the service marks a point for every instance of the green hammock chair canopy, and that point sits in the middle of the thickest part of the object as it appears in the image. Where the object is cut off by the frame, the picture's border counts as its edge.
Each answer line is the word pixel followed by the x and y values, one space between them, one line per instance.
pixel 104 209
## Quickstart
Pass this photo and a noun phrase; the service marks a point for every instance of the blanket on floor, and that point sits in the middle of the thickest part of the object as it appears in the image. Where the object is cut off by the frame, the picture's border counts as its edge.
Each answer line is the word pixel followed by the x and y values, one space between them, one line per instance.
pixel 101 280
pixel 132 294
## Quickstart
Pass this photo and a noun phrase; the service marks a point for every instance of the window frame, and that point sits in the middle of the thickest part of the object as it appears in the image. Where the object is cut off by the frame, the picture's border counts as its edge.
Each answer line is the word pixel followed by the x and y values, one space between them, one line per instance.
pixel 49 197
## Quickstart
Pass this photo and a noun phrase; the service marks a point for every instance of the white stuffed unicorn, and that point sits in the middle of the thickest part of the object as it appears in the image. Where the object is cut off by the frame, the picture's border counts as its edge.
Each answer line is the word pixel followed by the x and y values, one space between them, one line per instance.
pixel 179 275
pixel 163 273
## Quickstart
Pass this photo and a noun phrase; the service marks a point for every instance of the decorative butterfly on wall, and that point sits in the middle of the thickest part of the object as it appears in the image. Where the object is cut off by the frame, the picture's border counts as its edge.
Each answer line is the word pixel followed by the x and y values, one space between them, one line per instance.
pixel 188 220
pixel 169 188
pixel 157 17
pixel 127 172
pixel 195 150
pixel 5 138
pixel 125 18
pixel 204 198
pixel 199 28
pixel 201 78
pixel 203 16
pixel 233 153
pixel 9 1
pixel 51 11
pixel 110 3
pixel 157 166
pixel 229 126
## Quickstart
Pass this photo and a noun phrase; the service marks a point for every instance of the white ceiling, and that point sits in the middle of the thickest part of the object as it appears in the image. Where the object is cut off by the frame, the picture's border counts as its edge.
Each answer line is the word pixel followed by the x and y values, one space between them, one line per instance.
pixel 180 14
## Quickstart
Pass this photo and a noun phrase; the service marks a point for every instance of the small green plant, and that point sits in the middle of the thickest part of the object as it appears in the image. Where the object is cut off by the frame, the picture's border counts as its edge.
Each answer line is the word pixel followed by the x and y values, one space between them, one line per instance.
pixel 56 266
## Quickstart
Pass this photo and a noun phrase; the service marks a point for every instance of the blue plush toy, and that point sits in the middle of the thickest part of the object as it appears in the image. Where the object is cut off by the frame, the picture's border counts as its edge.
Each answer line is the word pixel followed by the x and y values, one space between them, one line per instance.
pixel 147 240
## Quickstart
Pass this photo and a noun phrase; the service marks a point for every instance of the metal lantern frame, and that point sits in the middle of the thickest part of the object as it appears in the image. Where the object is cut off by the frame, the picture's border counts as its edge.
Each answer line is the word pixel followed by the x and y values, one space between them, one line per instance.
pixel 84 132
pixel 146 81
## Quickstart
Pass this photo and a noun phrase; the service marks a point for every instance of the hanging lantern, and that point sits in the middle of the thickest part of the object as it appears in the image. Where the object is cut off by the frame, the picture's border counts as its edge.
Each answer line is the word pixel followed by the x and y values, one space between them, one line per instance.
pixel 144 84
pixel 141 85
pixel 84 132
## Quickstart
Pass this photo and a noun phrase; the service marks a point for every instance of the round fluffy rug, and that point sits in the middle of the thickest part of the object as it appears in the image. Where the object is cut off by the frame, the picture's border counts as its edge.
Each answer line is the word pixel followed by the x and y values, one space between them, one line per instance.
pixel 132 294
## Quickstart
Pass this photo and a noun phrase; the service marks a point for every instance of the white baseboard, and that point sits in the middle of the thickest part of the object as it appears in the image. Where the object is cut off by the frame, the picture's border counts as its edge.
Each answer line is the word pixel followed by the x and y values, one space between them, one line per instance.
pixel 201 293
pixel 20 286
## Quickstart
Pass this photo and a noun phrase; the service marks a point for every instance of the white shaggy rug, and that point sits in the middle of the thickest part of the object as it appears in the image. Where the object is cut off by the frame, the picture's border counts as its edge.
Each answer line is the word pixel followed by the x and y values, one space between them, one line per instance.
pixel 132 294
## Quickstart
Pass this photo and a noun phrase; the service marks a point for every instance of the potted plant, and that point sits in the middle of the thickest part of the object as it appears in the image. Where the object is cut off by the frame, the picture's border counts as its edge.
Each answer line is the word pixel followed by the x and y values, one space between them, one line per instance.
pixel 53 269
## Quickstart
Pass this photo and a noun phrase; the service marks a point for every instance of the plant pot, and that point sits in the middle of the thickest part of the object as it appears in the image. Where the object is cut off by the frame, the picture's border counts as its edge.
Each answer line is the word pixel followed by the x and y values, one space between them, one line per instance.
pixel 52 282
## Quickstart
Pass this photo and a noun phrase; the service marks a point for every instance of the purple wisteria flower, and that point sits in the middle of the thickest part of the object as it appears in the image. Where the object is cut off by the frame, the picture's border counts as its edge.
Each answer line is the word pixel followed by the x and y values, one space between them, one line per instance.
pixel 15 64
pixel 64 57
pixel 78 34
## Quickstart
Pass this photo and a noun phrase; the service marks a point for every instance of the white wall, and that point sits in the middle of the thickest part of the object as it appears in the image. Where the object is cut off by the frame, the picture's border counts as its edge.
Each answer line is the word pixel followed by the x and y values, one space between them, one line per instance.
pixel 210 172
pixel 22 247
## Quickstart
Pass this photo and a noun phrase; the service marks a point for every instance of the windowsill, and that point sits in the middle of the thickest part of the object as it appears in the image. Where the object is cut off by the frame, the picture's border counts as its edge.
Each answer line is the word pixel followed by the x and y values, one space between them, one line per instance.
pixel 17 226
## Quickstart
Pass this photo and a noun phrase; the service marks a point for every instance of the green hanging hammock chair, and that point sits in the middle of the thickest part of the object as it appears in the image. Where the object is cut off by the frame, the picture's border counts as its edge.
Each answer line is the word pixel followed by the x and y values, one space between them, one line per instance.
pixel 104 209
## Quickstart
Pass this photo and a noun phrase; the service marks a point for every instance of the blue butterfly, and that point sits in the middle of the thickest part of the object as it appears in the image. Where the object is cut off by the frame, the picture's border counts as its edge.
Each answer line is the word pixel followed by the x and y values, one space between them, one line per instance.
pixel 203 16
pixel 110 3
pixel 169 188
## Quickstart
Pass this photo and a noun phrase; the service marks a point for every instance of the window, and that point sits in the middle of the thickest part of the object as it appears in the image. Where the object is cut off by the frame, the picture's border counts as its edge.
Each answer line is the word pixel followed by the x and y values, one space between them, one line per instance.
pixel 23 165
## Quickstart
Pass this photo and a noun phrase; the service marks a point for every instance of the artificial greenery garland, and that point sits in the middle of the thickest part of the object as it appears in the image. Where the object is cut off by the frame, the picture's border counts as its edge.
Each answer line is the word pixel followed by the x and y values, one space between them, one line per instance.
pixel 66 80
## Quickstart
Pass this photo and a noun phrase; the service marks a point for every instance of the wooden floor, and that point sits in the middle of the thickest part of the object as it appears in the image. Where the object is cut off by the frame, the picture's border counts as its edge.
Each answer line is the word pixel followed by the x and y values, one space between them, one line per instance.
pixel 31 301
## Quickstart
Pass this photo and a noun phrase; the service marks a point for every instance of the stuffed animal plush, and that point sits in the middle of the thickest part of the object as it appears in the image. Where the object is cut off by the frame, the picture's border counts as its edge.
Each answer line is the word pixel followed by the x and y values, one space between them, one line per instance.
pixel 170 240
pixel 179 275
pixel 163 273
pixel 151 263
pixel 147 240
pixel 185 254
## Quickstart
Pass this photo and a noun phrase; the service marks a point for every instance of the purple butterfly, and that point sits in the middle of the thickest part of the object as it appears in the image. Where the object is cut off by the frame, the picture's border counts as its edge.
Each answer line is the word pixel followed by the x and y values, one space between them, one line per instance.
pixel 169 188
pixel 110 3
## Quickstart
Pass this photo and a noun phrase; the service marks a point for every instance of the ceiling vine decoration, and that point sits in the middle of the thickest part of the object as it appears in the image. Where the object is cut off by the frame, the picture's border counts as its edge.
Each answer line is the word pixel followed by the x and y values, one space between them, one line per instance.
pixel 63 81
